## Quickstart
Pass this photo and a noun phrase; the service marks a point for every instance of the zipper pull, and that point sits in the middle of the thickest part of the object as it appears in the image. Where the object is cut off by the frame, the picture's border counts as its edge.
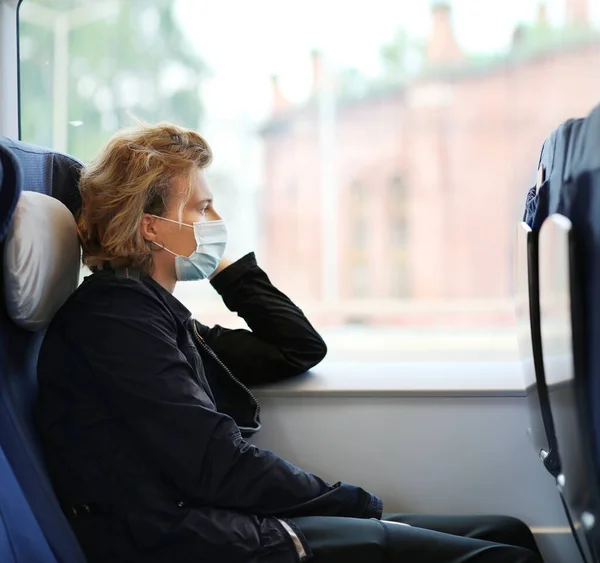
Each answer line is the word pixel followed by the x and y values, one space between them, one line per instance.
pixel 196 332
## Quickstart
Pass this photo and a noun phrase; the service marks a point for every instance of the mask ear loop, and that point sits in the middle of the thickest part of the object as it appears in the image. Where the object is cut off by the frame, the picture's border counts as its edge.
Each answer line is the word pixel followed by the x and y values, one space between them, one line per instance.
pixel 164 248
pixel 171 221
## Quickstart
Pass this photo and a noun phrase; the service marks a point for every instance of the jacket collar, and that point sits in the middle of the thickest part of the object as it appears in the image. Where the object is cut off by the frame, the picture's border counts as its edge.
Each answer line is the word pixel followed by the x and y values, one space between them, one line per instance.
pixel 179 309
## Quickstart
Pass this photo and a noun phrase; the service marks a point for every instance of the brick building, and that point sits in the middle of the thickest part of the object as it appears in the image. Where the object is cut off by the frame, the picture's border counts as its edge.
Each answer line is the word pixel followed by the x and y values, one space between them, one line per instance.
pixel 429 177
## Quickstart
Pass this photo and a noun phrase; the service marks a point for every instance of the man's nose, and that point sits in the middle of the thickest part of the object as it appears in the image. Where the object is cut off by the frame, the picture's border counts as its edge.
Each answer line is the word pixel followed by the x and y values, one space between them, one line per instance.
pixel 212 215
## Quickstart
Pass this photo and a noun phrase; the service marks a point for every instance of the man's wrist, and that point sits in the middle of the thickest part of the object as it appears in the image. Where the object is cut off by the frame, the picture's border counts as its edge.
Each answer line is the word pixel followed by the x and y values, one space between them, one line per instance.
pixel 225 263
pixel 230 273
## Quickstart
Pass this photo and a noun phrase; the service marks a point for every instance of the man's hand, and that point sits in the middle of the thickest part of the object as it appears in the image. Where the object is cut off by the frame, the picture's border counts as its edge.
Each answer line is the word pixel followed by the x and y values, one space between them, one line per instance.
pixel 225 262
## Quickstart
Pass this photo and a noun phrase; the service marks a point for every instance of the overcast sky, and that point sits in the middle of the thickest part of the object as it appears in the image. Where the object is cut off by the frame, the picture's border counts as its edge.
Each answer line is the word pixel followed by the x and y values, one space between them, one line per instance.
pixel 246 41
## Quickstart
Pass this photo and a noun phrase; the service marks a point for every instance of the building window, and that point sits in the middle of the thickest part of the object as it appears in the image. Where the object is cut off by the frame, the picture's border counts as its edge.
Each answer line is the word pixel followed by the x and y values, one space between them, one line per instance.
pixel 360 234
pixel 399 239
pixel 400 280
pixel 358 194
pixel 360 277
pixel 399 232
pixel 397 193
pixel 398 215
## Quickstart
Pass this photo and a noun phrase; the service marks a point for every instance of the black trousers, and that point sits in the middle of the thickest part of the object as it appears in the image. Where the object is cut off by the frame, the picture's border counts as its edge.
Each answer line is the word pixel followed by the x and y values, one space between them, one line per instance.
pixel 431 539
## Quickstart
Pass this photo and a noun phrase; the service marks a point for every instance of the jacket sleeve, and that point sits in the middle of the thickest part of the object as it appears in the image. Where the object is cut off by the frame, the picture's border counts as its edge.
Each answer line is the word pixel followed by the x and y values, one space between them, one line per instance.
pixel 281 343
pixel 138 367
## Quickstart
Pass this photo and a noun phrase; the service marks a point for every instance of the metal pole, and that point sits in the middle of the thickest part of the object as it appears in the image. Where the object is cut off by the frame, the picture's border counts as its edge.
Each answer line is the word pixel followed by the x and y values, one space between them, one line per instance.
pixel 329 195
pixel 9 98
pixel 60 105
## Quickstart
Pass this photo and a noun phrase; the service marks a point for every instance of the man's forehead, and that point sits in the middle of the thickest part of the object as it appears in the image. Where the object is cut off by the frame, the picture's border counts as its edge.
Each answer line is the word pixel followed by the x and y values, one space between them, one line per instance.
pixel 201 191
pixel 202 195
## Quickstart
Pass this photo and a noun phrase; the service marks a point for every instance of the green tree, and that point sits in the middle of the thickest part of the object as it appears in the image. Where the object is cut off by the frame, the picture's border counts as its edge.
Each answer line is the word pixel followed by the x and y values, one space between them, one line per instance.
pixel 352 84
pixel 394 55
pixel 400 57
pixel 130 62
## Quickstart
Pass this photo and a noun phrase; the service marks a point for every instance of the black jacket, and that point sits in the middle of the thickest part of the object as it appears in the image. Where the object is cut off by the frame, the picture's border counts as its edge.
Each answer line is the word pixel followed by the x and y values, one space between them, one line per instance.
pixel 141 410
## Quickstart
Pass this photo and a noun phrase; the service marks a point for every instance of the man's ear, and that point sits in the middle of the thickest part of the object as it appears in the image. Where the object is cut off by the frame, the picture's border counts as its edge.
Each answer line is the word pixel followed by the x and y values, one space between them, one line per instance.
pixel 148 227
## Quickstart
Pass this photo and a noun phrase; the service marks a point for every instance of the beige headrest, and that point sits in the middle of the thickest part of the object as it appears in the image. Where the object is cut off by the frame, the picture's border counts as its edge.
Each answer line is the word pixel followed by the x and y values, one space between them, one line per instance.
pixel 41 260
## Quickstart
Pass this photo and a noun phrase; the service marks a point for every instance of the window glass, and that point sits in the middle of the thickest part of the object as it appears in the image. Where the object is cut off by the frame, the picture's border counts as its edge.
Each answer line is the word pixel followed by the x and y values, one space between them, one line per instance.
pixel 400 281
pixel 399 232
pixel 376 159
pixel 397 194
pixel 360 280
pixel 360 228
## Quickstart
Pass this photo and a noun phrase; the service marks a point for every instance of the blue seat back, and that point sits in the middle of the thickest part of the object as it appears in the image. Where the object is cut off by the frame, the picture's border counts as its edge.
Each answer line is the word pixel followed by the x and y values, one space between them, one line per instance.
pixel 570 151
pixel 569 170
pixel 567 152
pixel 575 193
pixel 561 153
pixel 21 539
pixel 582 207
pixel 563 333
pixel 571 160
pixel 26 167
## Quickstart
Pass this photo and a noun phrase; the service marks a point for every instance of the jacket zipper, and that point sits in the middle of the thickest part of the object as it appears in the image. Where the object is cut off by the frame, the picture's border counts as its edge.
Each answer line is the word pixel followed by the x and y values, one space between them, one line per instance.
pixel 214 356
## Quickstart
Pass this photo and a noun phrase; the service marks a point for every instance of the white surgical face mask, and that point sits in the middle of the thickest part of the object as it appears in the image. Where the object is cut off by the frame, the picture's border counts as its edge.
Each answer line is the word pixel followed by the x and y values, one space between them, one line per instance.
pixel 211 240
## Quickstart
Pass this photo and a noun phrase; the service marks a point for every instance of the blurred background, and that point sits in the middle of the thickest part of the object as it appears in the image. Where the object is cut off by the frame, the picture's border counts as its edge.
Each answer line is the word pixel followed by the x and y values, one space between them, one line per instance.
pixel 375 156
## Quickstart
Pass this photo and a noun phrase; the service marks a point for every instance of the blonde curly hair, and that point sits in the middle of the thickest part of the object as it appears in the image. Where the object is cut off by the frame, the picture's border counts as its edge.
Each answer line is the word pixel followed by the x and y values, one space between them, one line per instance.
pixel 134 173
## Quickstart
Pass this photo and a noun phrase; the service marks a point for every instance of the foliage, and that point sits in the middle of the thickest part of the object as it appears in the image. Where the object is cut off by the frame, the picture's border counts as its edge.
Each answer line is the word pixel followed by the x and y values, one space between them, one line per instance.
pixel 128 63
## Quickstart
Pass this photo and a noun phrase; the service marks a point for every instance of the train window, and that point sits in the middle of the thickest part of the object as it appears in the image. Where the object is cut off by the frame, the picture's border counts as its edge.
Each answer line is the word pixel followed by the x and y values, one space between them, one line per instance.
pixel 373 158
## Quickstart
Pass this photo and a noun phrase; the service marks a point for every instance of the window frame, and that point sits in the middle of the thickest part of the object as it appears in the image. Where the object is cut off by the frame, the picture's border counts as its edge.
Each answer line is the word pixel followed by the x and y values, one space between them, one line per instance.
pixel 405 379
pixel 10 115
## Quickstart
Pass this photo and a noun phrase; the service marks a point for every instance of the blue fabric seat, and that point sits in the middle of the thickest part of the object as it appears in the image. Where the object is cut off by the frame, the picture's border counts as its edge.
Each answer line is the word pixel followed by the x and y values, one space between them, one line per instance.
pixel 570 151
pixel 572 188
pixel 571 161
pixel 21 539
pixel 28 168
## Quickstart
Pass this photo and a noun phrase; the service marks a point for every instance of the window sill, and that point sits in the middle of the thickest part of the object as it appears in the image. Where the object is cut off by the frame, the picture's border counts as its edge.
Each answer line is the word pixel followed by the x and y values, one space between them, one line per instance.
pixel 452 379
